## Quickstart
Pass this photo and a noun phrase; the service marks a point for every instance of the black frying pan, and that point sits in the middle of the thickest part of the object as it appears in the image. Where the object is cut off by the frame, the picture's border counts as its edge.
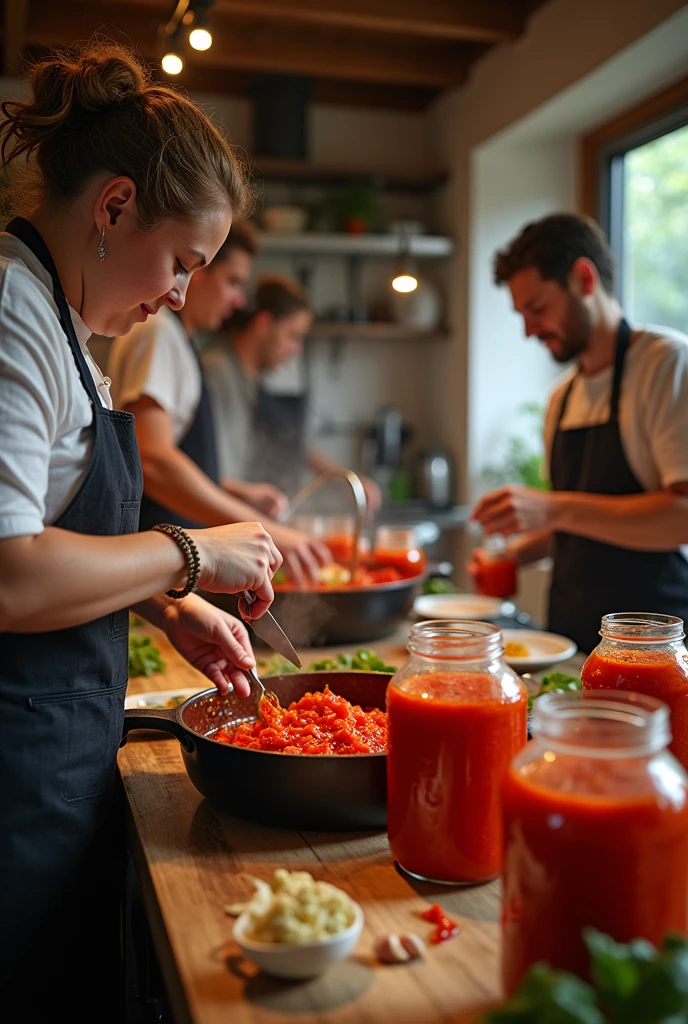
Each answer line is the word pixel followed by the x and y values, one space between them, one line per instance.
pixel 316 793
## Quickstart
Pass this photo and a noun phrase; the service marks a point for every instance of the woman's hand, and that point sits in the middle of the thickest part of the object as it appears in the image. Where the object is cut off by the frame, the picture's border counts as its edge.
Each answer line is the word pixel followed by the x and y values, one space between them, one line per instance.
pixel 212 641
pixel 240 556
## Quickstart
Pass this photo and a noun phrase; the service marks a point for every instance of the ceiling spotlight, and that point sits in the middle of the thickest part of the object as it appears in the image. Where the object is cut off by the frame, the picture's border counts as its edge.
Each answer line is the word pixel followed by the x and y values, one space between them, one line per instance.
pixel 405 283
pixel 172 63
pixel 405 278
pixel 200 38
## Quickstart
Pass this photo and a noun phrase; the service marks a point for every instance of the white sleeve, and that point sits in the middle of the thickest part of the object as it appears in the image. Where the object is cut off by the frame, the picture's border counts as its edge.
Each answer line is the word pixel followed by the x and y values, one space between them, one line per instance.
pixel 154 360
pixel 666 413
pixel 32 404
pixel 550 427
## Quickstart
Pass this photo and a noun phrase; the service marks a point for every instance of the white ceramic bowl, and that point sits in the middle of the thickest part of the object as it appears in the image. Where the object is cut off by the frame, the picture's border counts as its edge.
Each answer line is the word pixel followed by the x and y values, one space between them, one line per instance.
pixel 457 606
pixel 304 960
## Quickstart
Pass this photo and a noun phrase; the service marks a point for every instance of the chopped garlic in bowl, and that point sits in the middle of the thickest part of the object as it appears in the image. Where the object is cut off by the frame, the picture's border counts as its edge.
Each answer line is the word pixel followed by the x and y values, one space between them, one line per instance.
pixel 294 909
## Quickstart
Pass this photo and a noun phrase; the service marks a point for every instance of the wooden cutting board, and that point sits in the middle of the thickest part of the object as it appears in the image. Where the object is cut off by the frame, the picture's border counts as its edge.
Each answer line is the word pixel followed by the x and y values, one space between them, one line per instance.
pixel 192 861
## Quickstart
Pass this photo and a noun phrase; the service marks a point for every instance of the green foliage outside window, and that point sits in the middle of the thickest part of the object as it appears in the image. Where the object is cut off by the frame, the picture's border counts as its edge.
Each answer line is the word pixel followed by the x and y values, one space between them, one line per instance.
pixel 655 268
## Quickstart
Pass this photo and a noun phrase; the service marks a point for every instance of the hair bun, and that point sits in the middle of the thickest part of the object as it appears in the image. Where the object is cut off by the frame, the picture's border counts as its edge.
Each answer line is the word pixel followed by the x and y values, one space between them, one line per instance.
pixel 92 79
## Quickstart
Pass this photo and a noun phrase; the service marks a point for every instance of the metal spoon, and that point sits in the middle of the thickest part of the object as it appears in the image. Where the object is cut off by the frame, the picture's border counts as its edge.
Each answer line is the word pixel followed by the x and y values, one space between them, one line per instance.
pixel 268 695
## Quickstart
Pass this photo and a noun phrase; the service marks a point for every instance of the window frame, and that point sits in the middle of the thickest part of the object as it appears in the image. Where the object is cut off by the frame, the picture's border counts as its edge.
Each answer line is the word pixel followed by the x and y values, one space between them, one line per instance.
pixel 602 159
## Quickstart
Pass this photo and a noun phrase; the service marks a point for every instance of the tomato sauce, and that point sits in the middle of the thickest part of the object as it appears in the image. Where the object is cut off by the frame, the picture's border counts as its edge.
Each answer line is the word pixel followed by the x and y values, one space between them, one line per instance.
pixel 341 548
pixel 409 562
pixel 451 740
pixel 318 723
pixel 581 858
pixel 658 674
pixel 495 577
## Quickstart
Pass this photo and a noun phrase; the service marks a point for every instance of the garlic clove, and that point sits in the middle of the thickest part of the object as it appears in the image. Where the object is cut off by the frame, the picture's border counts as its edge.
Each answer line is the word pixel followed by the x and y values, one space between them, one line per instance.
pixel 413 944
pixel 389 949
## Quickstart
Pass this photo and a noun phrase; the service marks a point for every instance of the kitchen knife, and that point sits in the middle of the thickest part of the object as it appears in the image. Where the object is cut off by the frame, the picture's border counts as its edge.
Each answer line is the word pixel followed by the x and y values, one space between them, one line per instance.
pixel 270 632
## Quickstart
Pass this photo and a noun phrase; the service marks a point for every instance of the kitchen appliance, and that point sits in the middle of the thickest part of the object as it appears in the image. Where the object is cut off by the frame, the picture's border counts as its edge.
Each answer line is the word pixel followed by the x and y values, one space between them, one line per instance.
pixel 321 793
pixel 434 477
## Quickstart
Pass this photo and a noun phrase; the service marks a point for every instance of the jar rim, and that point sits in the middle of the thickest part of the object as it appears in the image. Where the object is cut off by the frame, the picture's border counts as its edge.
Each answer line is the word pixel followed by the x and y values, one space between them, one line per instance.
pixel 602 723
pixel 456 638
pixel 641 627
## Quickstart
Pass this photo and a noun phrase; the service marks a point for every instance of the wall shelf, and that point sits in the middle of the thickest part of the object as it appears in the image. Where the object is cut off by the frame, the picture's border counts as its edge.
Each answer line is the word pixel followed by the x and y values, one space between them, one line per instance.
pixel 322 244
pixel 375 330
pixel 302 172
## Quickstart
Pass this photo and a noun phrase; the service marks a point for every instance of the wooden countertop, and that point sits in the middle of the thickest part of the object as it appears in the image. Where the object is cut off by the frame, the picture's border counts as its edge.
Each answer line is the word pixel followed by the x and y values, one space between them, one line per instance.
pixel 193 860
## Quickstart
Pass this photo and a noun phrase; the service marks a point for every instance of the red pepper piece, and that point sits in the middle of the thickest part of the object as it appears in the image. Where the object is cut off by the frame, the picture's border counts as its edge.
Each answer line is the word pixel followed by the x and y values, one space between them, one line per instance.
pixel 445 927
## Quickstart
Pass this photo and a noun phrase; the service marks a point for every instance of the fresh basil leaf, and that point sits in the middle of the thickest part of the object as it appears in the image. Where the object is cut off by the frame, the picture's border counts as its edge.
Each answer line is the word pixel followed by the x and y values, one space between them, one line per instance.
pixel 615 968
pixel 546 996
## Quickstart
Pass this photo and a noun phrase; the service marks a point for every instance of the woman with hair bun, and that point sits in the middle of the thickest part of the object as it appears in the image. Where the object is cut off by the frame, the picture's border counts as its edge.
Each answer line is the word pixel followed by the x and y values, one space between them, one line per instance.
pixel 130 190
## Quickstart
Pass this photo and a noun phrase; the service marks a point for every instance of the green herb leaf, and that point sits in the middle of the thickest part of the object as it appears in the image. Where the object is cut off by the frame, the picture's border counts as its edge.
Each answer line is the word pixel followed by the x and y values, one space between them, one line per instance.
pixel 549 997
pixel 440 585
pixel 363 660
pixel 144 656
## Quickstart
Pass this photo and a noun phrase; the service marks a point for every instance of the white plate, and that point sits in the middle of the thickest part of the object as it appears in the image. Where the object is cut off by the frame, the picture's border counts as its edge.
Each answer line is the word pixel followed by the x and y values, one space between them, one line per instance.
pixel 457 606
pixel 544 649
pixel 157 698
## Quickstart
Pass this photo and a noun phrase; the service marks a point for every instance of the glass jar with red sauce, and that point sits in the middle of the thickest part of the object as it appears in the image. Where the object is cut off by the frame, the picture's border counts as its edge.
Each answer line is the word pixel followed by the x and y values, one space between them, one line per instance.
pixel 644 652
pixel 456 718
pixel 496 572
pixel 399 548
pixel 595 831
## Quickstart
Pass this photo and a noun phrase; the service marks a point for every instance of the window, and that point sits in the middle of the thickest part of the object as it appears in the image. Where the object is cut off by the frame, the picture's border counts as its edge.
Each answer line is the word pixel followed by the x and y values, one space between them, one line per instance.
pixel 636 172
pixel 654 263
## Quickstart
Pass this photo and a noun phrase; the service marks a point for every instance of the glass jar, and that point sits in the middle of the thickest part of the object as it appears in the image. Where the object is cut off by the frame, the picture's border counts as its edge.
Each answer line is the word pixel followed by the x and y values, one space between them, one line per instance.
pixel 644 652
pixel 595 831
pixel 337 533
pixel 497 569
pixel 457 716
pixel 398 547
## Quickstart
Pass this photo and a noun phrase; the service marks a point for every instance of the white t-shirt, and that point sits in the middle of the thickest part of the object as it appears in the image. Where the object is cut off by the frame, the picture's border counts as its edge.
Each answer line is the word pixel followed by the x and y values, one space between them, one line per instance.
pixel 653 406
pixel 156 359
pixel 45 414
pixel 233 401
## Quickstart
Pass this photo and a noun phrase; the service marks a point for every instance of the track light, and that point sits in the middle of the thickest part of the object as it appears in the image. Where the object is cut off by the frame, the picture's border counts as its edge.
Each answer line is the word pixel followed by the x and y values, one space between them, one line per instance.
pixel 200 38
pixel 172 63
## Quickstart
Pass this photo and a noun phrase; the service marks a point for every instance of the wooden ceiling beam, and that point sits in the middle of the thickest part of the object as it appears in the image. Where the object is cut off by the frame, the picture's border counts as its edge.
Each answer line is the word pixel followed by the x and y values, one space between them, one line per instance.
pixel 486 21
pixel 258 46
pixel 14 35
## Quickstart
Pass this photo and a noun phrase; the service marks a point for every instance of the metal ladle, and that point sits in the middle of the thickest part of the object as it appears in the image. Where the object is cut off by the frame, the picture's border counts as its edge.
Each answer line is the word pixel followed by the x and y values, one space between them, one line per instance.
pixel 359 494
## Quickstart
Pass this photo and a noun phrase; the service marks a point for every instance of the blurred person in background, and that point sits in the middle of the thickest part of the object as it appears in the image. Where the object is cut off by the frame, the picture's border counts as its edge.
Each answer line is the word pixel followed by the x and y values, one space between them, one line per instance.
pixel 262 435
pixel 616 439
pixel 157 375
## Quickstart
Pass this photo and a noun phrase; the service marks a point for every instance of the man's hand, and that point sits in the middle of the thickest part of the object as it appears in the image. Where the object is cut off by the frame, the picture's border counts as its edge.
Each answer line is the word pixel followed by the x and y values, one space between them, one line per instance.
pixel 515 509
pixel 212 641
pixel 264 497
pixel 302 554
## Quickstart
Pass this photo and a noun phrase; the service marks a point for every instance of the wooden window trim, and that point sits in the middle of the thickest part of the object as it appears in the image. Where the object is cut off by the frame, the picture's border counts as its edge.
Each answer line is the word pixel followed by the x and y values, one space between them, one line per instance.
pixel 635 119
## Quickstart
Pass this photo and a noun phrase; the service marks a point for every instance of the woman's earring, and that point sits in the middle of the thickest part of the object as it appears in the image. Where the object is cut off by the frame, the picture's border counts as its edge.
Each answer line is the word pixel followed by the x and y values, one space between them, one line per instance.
pixel 101 245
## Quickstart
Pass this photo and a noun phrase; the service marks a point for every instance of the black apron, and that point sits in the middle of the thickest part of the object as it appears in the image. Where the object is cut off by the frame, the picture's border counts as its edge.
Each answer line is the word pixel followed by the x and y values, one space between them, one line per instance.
pixel 61 712
pixel 199 444
pixel 590 578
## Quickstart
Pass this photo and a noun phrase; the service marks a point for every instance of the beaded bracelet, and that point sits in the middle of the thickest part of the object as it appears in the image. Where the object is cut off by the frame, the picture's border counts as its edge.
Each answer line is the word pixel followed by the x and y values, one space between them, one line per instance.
pixel 193 559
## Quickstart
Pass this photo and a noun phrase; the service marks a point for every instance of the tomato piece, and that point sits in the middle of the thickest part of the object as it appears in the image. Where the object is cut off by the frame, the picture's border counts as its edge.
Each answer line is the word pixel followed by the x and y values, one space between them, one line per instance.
pixel 445 928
